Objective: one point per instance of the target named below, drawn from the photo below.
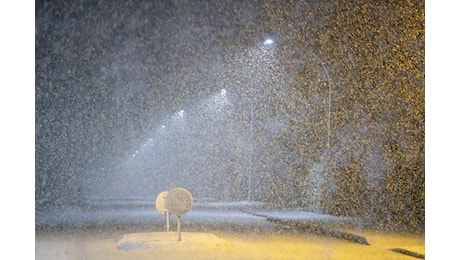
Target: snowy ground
(213, 231)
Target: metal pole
(167, 221)
(329, 101)
(178, 228)
(250, 153)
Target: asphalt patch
(321, 230)
(407, 252)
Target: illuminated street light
(269, 43)
(250, 152)
(251, 119)
(329, 100)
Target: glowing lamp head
(269, 42)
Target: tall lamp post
(250, 152)
(329, 101)
(267, 44)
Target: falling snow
(308, 105)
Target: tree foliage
(374, 56)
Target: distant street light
(268, 43)
(329, 101)
(250, 152)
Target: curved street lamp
(250, 152)
(329, 100)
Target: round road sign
(178, 201)
(160, 203)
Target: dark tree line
(373, 54)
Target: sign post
(160, 205)
(178, 201)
